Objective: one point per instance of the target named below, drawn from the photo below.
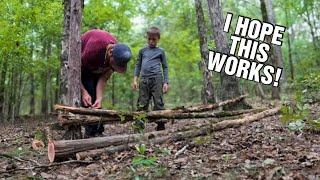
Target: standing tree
(64, 53)
(207, 94)
(229, 84)
(287, 16)
(276, 54)
(71, 69)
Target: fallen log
(186, 115)
(64, 148)
(175, 136)
(110, 150)
(114, 113)
(70, 118)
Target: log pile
(94, 147)
(71, 115)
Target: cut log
(110, 150)
(65, 148)
(70, 118)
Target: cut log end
(51, 151)
(79, 157)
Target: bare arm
(137, 71)
(165, 88)
(100, 88)
(86, 98)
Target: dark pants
(89, 81)
(150, 88)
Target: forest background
(30, 49)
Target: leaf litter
(265, 149)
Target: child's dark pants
(150, 88)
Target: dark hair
(153, 31)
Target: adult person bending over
(100, 57)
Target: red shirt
(93, 50)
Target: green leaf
(143, 161)
(296, 126)
(141, 149)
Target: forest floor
(264, 149)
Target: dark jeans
(150, 88)
(89, 81)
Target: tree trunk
(13, 94)
(44, 99)
(276, 54)
(64, 53)
(58, 149)
(32, 95)
(20, 92)
(49, 76)
(311, 26)
(260, 91)
(207, 94)
(2, 88)
(32, 86)
(73, 94)
(289, 48)
(56, 90)
(229, 84)
(74, 70)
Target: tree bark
(230, 84)
(44, 99)
(32, 87)
(260, 91)
(57, 149)
(311, 26)
(276, 54)
(207, 94)
(73, 119)
(2, 88)
(20, 92)
(199, 108)
(289, 47)
(64, 53)
(74, 69)
(13, 94)
(71, 61)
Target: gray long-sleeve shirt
(149, 63)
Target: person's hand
(135, 85)
(86, 99)
(97, 104)
(165, 88)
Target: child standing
(153, 81)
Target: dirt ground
(264, 149)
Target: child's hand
(165, 88)
(134, 85)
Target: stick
(47, 166)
